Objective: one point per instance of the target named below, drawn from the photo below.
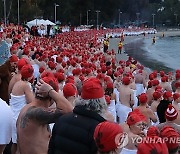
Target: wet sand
(132, 47)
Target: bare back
(148, 113)
(149, 93)
(154, 106)
(15, 78)
(126, 95)
(139, 78)
(23, 88)
(33, 136)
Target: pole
(137, 14)
(18, 13)
(119, 17)
(5, 12)
(80, 18)
(153, 18)
(87, 17)
(176, 18)
(55, 13)
(36, 13)
(97, 18)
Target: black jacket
(161, 109)
(73, 132)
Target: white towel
(135, 98)
(154, 124)
(6, 118)
(16, 104)
(122, 112)
(36, 71)
(128, 151)
(117, 94)
(140, 89)
(112, 109)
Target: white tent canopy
(39, 22)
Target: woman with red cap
(16, 77)
(6, 71)
(20, 97)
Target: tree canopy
(74, 12)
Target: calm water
(163, 55)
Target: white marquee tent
(39, 22)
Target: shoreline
(134, 43)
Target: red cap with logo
(105, 134)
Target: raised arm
(62, 103)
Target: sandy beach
(132, 47)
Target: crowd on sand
(66, 95)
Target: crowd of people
(65, 95)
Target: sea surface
(164, 54)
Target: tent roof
(39, 22)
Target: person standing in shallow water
(154, 40)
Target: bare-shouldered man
(140, 82)
(151, 90)
(126, 100)
(32, 124)
(147, 112)
(157, 97)
(165, 84)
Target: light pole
(137, 14)
(5, 12)
(153, 18)
(97, 11)
(176, 15)
(88, 17)
(80, 18)
(18, 12)
(55, 5)
(119, 17)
